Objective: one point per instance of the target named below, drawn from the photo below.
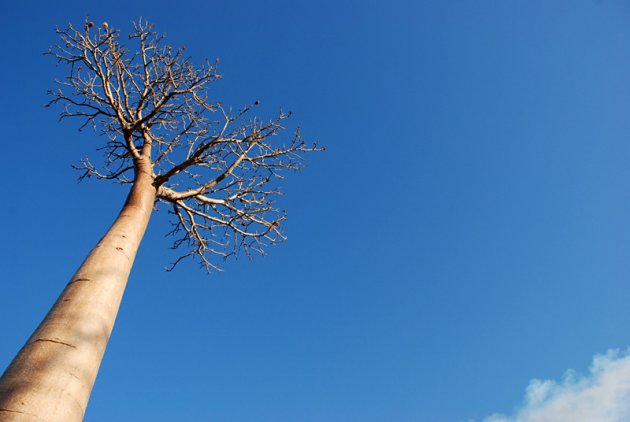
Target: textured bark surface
(52, 376)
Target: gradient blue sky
(467, 230)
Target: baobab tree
(216, 170)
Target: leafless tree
(216, 169)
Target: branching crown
(217, 170)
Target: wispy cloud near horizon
(603, 395)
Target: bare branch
(218, 170)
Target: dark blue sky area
(467, 229)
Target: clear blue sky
(467, 229)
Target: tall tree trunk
(52, 376)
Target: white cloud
(601, 396)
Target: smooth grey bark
(52, 376)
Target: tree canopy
(216, 168)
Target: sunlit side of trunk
(52, 376)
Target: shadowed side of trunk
(52, 376)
